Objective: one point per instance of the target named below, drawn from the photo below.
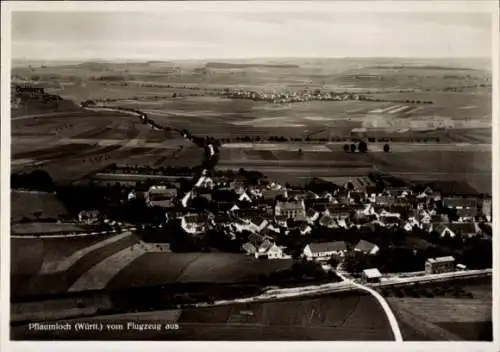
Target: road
(396, 331)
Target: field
(448, 318)
(27, 204)
(188, 95)
(123, 261)
(346, 316)
(194, 267)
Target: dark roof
(328, 246)
(454, 202)
(467, 212)
(385, 200)
(272, 194)
(462, 228)
(365, 246)
(461, 188)
(310, 212)
(290, 205)
(166, 192)
(196, 218)
(326, 220)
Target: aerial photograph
(251, 173)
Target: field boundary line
(97, 277)
(66, 263)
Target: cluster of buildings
(259, 215)
(290, 97)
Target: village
(357, 227)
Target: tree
(353, 148)
(346, 148)
(386, 148)
(333, 261)
(362, 147)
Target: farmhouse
(324, 250)
(466, 215)
(161, 196)
(328, 221)
(466, 229)
(371, 275)
(440, 265)
(459, 203)
(487, 208)
(194, 223)
(269, 250)
(89, 217)
(290, 209)
(400, 192)
(312, 215)
(338, 212)
(357, 196)
(366, 247)
(453, 188)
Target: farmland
(188, 94)
(346, 316)
(137, 268)
(449, 317)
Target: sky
(315, 31)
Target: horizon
(271, 33)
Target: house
(460, 203)
(385, 200)
(256, 222)
(305, 229)
(324, 250)
(366, 247)
(328, 221)
(338, 212)
(272, 194)
(205, 182)
(281, 220)
(467, 214)
(263, 247)
(390, 221)
(356, 196)
(486, 208)
(269, 250)
(398, 192)
(290, 209)
(89, 217)
(423, 217)
(161, 196)
(371, 275)
(312, 215)
(195, 224)
(249, 248)
(465, 229)
(453, 188)
(245, 197)
(383, 213)
(298, 195)
(440, 265)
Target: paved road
(396, 331)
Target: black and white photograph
(251, 171)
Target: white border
(490, 6)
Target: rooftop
(290, 205)
(328, 246)
(441, 259)
(372, 273)
(365, 246)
